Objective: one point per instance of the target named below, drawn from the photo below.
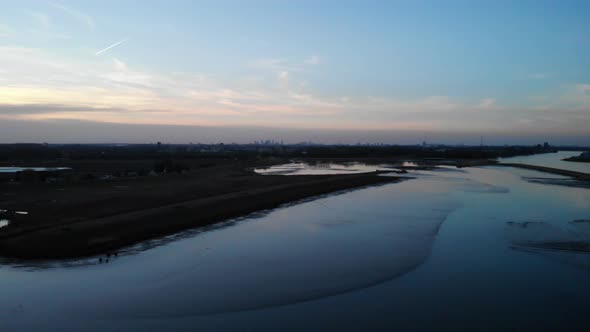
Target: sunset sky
(329, 70)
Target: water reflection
(320, 168)
(391, 255)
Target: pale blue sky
(424, 66)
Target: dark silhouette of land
(551, 170)
(584, 157)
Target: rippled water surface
(436, 252)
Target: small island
(584, 157)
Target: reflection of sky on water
(426, 253)
(329, 168)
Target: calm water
(552, 160)
(431, 253)
(36, 169)
(297, 168)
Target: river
(436, 252)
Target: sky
(331, 71)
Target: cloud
(274, 65)
(576, 97)
(39, 86)
(131, 78)
(41, 18)
(44, 28)
(24, 109)
(5, 30)
(76, 14)
(283, 78)
(487, 103)
(313, 60)
(119, 65)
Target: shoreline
(102, 235)
(577, 160)
(557, 171)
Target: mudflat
(82, 219)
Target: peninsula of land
(65, 221)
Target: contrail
(108, 48)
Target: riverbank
(220, 195)
(551, 170)
(578, 159)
